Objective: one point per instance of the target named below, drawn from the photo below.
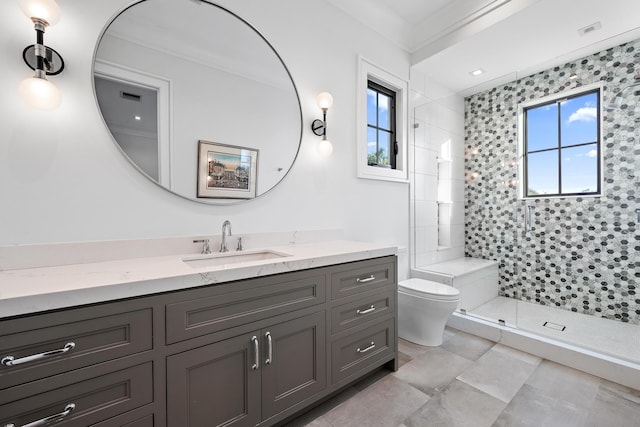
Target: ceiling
(508, 39)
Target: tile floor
(470, 381)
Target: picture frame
(226, 171)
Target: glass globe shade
(324, 100)
(325, 148)
(47, 10)
(40, 93)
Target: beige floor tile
(459, 405)
(403, 358)
(500, 372)
(433, 370)
(319, 422)
(531, 407)
(564, 383)
(384, 404)
(630, 394)
(466, 345)
(517, 354)
(411, 349)
(615, 406)
(314, 417)
(371, 379)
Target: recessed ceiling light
(476, 72)
(137, 118)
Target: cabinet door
(296, 368)
(214, 385)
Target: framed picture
(226, 171)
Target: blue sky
(578, 125)
(378, 105)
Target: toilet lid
(427, 287)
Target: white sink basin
(212, 260)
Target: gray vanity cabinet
(252, 352)
(244, 380)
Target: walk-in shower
(568, 265)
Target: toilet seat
(429, 290)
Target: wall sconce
(319, 127)
(37, 91)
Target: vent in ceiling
(590, 28)
(130, 96)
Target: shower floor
(609, 337)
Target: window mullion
(377, 126)
(559, 147)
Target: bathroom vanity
(249, 343)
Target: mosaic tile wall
(582, 254)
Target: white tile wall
(439, 114)
(426, 213)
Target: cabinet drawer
(96, 399)
(205, 315)
(362, 310)
(362, 349)
(93, 339)
(125, 421)
(363, 276)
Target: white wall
(437, 228)
(63, 179)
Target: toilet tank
(477, 279)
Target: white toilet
(423, 309)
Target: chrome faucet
(225, 226)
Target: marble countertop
(31, 290)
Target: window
(382, 124)
(382, 147)
(561, 145)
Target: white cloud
(584, 114)
(592, 153)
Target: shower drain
(555, 326)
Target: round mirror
(198, 100)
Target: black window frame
(559, 147)
(381, 89)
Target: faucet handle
(239, 247)
(206, 249)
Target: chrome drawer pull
(269, 349)
(12, 361)
(43, 421)
(256, 353)
(364, 350)
(368, 279)
(367, 311)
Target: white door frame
(163, 86)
